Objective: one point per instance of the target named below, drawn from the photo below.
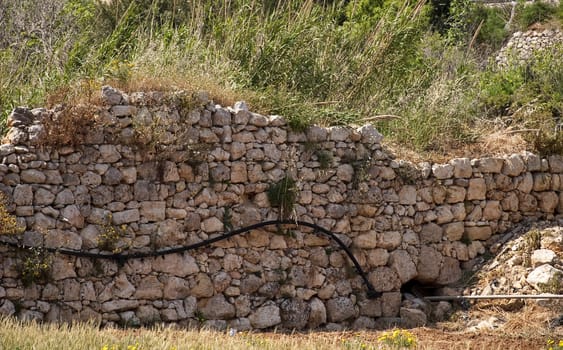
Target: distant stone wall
(522, 45)
(166, 172)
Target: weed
(283, 195)
(361, 168)
(536, 12)
(196, 154)
(555, 345)
(554, 286)
(548, 143)
(35, 266)
(227, 218)
(110, 236)
(119, 347)
(199, 316)
(409, 173)
(532, 240)
(465, 240)
(8, 222)
(325, 159)
(398, 339)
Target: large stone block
(477, 189)
(478, 232)
(429, 262)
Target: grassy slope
(325, 64)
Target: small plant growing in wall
(228, 218)
(8, 222)
(36, 266)
(361, 171)
(110, 236)
(283, 195)
(325, 159)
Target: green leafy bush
(536, 12)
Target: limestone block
(345, 172)
(175, 288)
(203, 287)
(180, 265)
(490, 165)
(431, 233)
(510, 202)
(149, 288)
(555, 163)
(217, 308)
(390, 304)
(384, 279)
(212, 224)
(369, 134)
(543, 275)
(153, 210)
(340, 309)
(258, 120)
(112, 177)
(444, 214)
(119, 305)
(91, 179)
(402, 263)
(412, 318)
(125, 217)
(477, 189)
(389, 240)
(455, 194)
(528, 203)
(23, 195)
(450, 271)
(443, 171)
(428, 266)
(513, 165)
(462, 167)
(542, 182)
(454, 231)
(317, 314)
(492, 210)
(32, 176)
(109, 154)
(407, 195)
(547, 201)
(543, 256)
(366, 240)
(62, 239)
(478, 232)
(377, 257)
(122, 288)
(533, 162)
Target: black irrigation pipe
(122, 258)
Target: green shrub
(536, 12)
(283, 195)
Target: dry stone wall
(522, 45)
(163, 171)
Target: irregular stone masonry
(198, 171)
(522, 45)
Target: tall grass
(312, 61)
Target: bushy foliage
(329, 62)
(8, 222)
(536, 12)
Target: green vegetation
(8, 222)
(35, 266)
(326, 62)
(283, 195)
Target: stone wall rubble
(522, 45)
(165, 173)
